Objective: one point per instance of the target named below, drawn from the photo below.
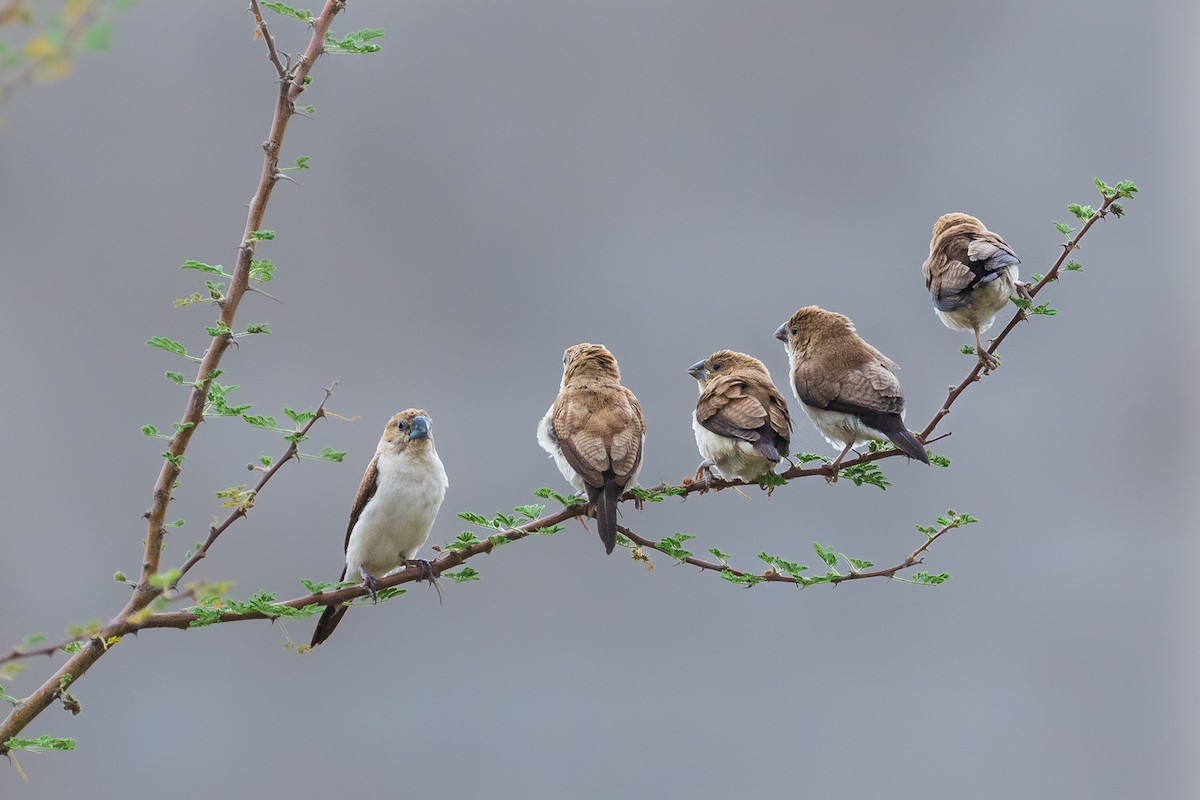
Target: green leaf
(259, 422)
(463, 575)
(1045, 310)
(358, 42)
(930, 580)
(1126, 189)
(550, 494)
(262, 236)
(968, 349)
(742, 580)
(334, 456)
(215, 269)
(721, 556)
(170, 345)
(859, 564)
(40, 744)
(299, 417)
(549, 530)
(465, 540)
(1073, 266)
(1036, 277)
(475, 519)
(804, 458)
(257, 328)
(867, 473)
(175, 377)
(530, 512)
(1064, 229)
(770, 480)
(673, 546)
(1082, 213)
(301, 162)
(220, 329)
(262, 270)
(315, 587)
(827, 554)
(149, 430)
(283, 9)
(939, 461)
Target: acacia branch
(146, 591)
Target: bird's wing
(628, 434)
(869, 388)
(964, 263)
(366, 490)
(727, 408)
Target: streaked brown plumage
(741, 420)
(846, 386)
(397, 502)
(595, 432)
(971, 273)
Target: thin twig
(292, 452)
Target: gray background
(506, 179)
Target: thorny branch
(147, 589)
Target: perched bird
(846, 386)
(595, 432)
(971, 273)
(397, 502)
(741, 420)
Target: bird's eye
(795, 331)
(401, 425)
(716, 365)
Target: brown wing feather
(727, 408)
(366, 490)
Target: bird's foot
(372, 584)
(705, 473)
(832, 476)
(988, 361)
(427, 574)
(1023, 290)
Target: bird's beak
(781, 333)
(420, 427)
(698, 371)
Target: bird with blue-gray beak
(971, 274)
(742, 425)
(397, 502)
(595, 432)
(848, 388)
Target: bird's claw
(372, 584)
(427, 574)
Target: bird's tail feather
(907, 442)
(329, 620)
(604, 501)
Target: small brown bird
(971, 273)
(595, 432)
(741, 420)
(397, 502)
(845, 385)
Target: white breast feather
(734, 457)
(397, 519)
